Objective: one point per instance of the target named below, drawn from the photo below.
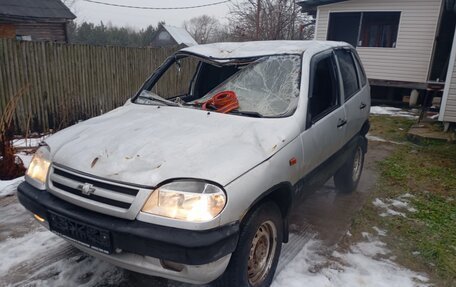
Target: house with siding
(405, 45)
(34, 20)
(168, 36)
(448, 108)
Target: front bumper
(138, 240)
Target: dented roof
(229, 50)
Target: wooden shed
(34, 20)
(404, 44)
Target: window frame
(310, 121)
(360, 26)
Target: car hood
(149, 144)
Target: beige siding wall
(411, 58)
(449, 113)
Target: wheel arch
(282, 195)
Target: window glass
(379, 29)
(344, 26)
(323, 97)
(269, 86)
(361, 73)
(348, 72)
(176, 79)
(365, 29)
(264, 87)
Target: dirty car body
(165, 187)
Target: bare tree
(269, 20)
(204, 29)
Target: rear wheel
(347, 177)
(255, 260)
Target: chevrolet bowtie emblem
(86, 188)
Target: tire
(263, 228)
(346, 179)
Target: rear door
(325, 126)
(355, 91)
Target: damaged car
(193, 179)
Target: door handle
(341, 123)
(362, 106)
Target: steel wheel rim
(262, 252)
(357, 162)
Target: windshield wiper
(159, 99)
(248, 114)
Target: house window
(365, 29)
(379, 29)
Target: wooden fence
(67, 83)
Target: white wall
(448, 107)
(411, 58)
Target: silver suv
(194, 178)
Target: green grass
(425, 240)
(390, 128)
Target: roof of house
(230, 50)
(180, 35)
(311, 5)
(34, 9)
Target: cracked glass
(269, 86)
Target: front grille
(108, 186)
(105, 194)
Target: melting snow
(8, 187)
(362, 265)
(397, 112)
(391, 206)
(28, 142)
(379, 139)
(19, 250)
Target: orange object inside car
(223, 102)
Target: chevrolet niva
(193, 179)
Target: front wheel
(347, 177)
(254, 262)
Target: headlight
(38, 168)
(194, 201)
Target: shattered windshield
(269, 86)
(263, 87)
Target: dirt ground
(325, 215)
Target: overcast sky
(138, 18)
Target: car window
(324, 87)
(348, 72)
(269, 86)
(362, 75)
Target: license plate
(87, 235)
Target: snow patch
(8, 187)
(395, 207)
(81, 270)
(379, 139)
(16, 251)
(379, 231)
(28, 142)
(355, 268)
(395, 112)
